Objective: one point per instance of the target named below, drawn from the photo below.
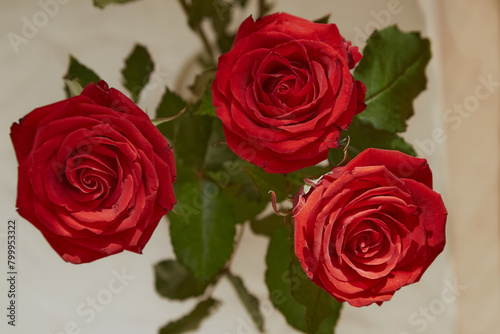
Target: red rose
(95, 175)
(285, 91)
(365, 230)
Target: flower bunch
(290, 108)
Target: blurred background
(455, 127)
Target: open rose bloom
(95, 175)
(285, 91)
(366, 229)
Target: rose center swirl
(92, 175)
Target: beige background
(456, 127)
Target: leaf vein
(420, 56)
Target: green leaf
(73, 87)
(266, 182)
(78, 74)
(138, 68)
(219, 12)
(323, 19)
(393, 70)
(320, 306)
(199, 142)
(202, 227)
(363, 135)
(221, 17)
(245, 207)
(241, 3)
(328, 325)
(205, 106)
(279, 282)
(199, 9)
(193, 320)
(268, 225)
(305, 306)
(236, 186)
(217, 153)
(175, 282)
(191, 138)
(103, 3)
(240, 180)
(250, 302)
(202, 82)
(170, 105)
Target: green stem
(237, 241)
(250, 302)
(206, 43)
(184, 6)
(157, 121)
(288, 220)
(199, 31)
(262, 5)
